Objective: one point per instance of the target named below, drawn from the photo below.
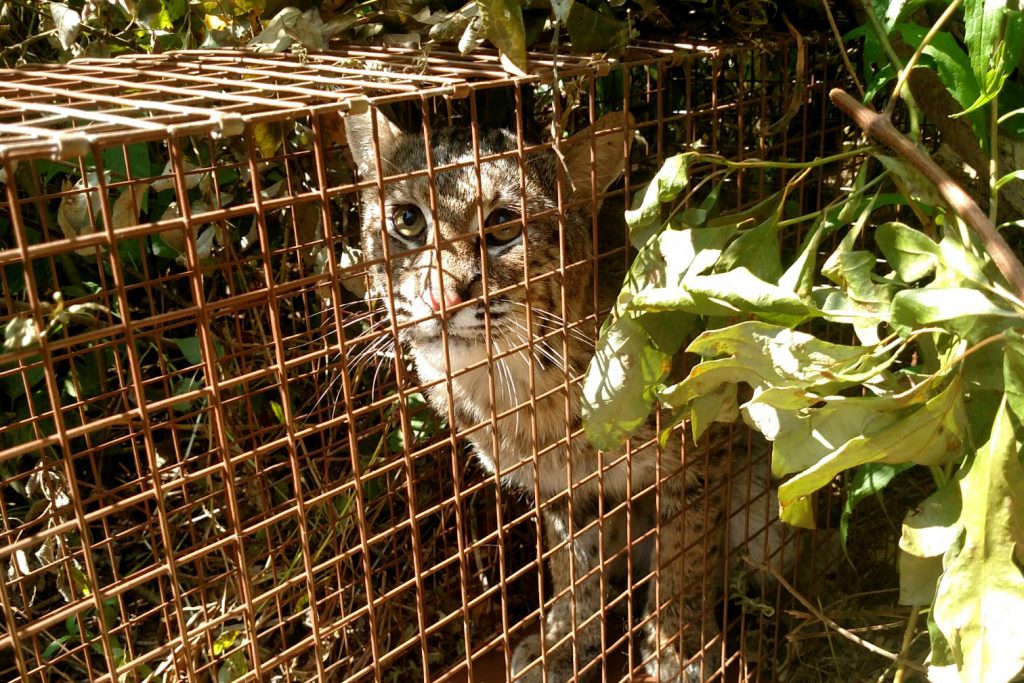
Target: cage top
(60, 111)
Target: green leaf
(190, 349)
(225, 640)
(268, 138)
(799, 277)
(591, 31)
(908, 251)
(837, 306)
(153, 15)
(789, 370)
(1013, 175)
(963, 311)
(664, 262)
(954, 69)
(890, 12)
(985, 23)
(980, 597)
(802, 440)
(503, 25)
(84, 383)
(799, 513)
(278, 411)
(868, 480)
(756, 250)
(671, 179)
(742, 291)
(718, 405)
(1013, 372)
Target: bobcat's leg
(572, 560)
(683, 594)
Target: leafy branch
(934, 379)
(880, 127)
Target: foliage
(46, 31)
(931, 368)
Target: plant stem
(908, 638)
(880, 127)
(993, 162)
(877, 180)
(842, 48)
(883, 39)
(796, 165)
(905, 72)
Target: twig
(883, 38)
(905, 74)
(796, 99)
(908, 638)
(23, 45)
(867, 645)
(880, 127)
(842, 47)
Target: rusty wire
(217, 466)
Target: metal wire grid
(200, 479)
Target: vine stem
(908, 638)
(842, 47)
(795, 165)
(880, 127)
(905, 73)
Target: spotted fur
(584, 517)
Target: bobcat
(436, 294)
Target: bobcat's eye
(507, 232)
(408, 221)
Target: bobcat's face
(429, 260)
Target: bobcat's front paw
(527, 665)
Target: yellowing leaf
(225, 640)
(503, 24)
(125, 211)
(268, 138)
(75, 213)
(980, 598)
(931, 434)
(68, 23)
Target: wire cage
(217, 461)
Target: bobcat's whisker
(546, 351)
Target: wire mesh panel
(292, 364)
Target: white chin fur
(430, 356)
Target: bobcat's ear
(607, 136)
(360, 134)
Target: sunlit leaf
(671, 179)
(980, 597)
(20, 332)
(928, 533)
(625, 371)
(929, 434)
(68, 23)
(966, 312)
(744, 292)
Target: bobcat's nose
(450, 299)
